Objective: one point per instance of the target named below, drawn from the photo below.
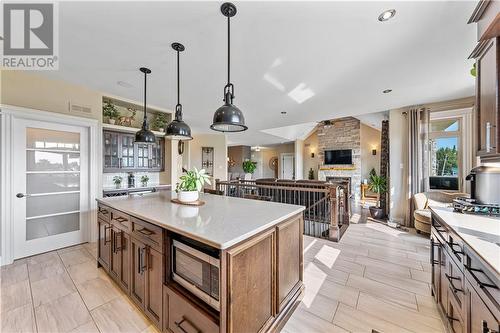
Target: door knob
(22, 195)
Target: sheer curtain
(418, 155)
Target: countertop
(480, 233)
(221, 222)
(140, 187)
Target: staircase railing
(327, 210)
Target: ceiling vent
(79, 108)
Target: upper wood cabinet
(487, 55)
(121, 154)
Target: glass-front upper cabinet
(121, 154)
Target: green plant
(372, 173)
(160, 121)
(144, 179)
(249, 166)
(311, 174)
(473, 70)
(117, 180)
(378, 184)
(193, 180)
(110, 110)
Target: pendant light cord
(178, 80)
(228, 51)
(145, 121)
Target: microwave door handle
(179, 325)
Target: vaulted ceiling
(312, 60)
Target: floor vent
(79, 108)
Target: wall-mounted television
(339, 156)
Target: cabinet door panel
(487, 100)
(104, 244)
(289, 252)
(115, 267)
(250, 267)
(126, 261)
(111, 151)
(138, 272)
(436, 266)
(443, 281)
(481, 318)
(153, 304)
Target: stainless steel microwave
(196, 271)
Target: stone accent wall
(342, 133)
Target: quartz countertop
(221, 222)
(480, 233)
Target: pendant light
(178, 129)
(228, 118)
(144, 135)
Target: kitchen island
(230, 265)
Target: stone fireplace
(342, 133)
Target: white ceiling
(335, 54)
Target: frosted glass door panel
(52, 182)
(39, 160)
(52, 204)
(50, 139)
(54, 225)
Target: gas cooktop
(470, 206)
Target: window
(445, 154)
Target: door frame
(7, 114)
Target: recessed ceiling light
(283, 112)
(387, 91)
(124, 84)
(387, 15)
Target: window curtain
(418, 156)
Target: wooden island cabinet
(465, 277)
(260, 276)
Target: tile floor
(375, 278)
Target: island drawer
(182, 317)
(121, 220)
(104, 213)
(456, 284)
(148, 233)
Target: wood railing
(327, 205)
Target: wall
(398, 157)
(342, 133)
(218, 142)
(311, 144)
(370, 139)
(30, 90)
(265, 154)
(238, 154)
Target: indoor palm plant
(378, 184)
(191, 184)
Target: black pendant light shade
(228, 118)
(144, 135)
(178, 129)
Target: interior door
(50, 177)
(287, 166)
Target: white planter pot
(112, 121)
(188, 196)
(248, 176)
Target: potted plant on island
(110, 111)
(159, 122)
(188, 190)
(249, 168)
(144, 180)
(117, 180)
(378, 184)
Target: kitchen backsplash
(107, 178)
